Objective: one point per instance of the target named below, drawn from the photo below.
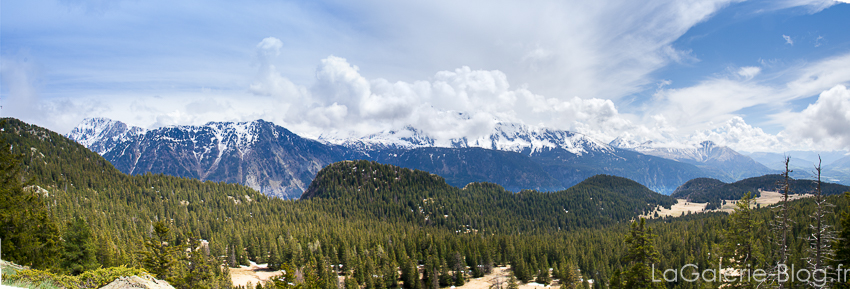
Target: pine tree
(641, 255)
(409, 274)
(30, 237)
(568, 275)
(286, 280)
(616, 280)
(513, 282)
(197, 271)
(842, 247)
(79, 253)
(543, 277)
(743, 244)
(160, 257)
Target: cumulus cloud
(788, 39)
(463, 102)
(739, 135)
(827, 121)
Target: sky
(767, 76)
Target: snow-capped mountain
(561, 157)
(258, 154)
(102, 134)
(511, 137)
(275, 161)
(725, 162)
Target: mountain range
(835, 164)
(723, 162)
(277, 162)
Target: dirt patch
(683, 207)
(254, 274)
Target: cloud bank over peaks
(452, 104)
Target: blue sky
(753, 75)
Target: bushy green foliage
(88, 279)
(79, 253)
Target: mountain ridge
(273, 160)
(723, 162)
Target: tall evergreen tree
(743, 245)
(641, 255)
(568, 274)
(842, 248)
(409, 274)
(160, 257)
(79, 253)
(30, 237)
(197, 271)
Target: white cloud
(748, 72)
(788, 39)
(813, 6)
(827, 121)
(739, 135)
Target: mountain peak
(505, 136)
(100, 134)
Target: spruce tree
(160, 257)
(30, 237)
(842, 247)
(79, 253)
(198, 270)
(743, 239)
(641, 255)
(568, 275)
(513, 282)
(409, 274)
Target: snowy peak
(511, 137)
(257, 154)
(703, 152)
(405, 138)
(524, 139)
(622, 143)
(101, 134)
(724, 161)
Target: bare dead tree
(820, 252)
(781, 227)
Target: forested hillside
(372, 219)
(703, 190)
(425, 199)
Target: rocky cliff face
(258, 154)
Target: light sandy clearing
(682, 206)
(500, 275)
(253, 273)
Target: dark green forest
(360, 219)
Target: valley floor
(683, 207)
